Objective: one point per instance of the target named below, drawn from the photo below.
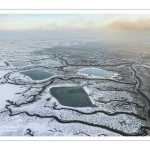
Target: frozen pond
(37, 74)
(36, 57)
(97, 72)
(71, 96)
(51, 62)
(20, 63)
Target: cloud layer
(129, 25)
(84, 26)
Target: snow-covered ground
(8, 92)
(27, 107)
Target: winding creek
(147, 102)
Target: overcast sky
(74, 26)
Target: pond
(96, 72)
(36, 57)
(36, 74)
(71, 96)
(51, 62)
(20, 63)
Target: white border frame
(74, 11)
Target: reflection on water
(37, 74)
(97, 72)
(71, 96)
(20, 63)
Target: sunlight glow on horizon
(25, 22)
(75, 24)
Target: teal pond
(71, 96)
(20, 63)
(96, 72)
(51, 62)
(36, 74)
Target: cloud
(128, 25)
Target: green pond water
(20, 63)
(71, 96)
(97, 72)
(37, 74)
(51, 62)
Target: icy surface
(51, 63)
(20, 63)
(95, 72)
(8, 92)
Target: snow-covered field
(27, 107)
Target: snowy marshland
(27, 107)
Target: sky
(63, 26)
